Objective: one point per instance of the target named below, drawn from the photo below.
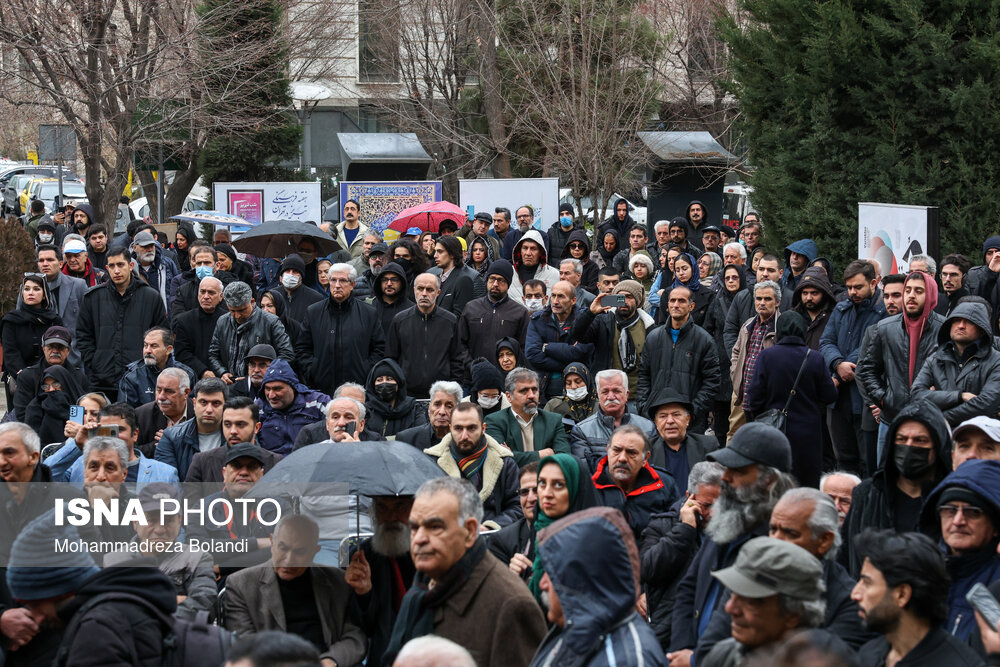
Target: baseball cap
(262, 351)
(990, 427)
(767, 566)
(74, 246)
(151, 495)
(379, 249)
(245, 449)
(143, 238)
(57, 336)
(755, 443)
(413, 231)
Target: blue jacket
(560, 348)
(178, 445)
(966, 570)
(805, 247)
(602, 627)
(138, 384)
(67, 466)
(278, 428)
(841, 340)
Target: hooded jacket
(88, 210)
(387, 311)
(231, 342)
(982, 566)
(279, 428)
(885, 371)
(816, 278)
(979, 274)
(383, 418)
(875, 498)
(111, 328)
(588, 280)
(573, 412)
(976, 371)
(621, 229)
(339, 343)
(601, 626)
(805, 247)
(501, 480)
(559, 239)
(694, 232)
(547, 274)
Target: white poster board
(485, 194)
(891, 233)
(261, 202)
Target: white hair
(705, 473)
(211, 279)
(738, 247)
(824, 518)
(577, 265)
(609, 373)
(32, 443)
(855, 480)
(433, 650)
(660, 224)
(768, 284)
(340, 267)
(453, 389)
(349, 385)
(358, 404)
(469, 504)
(104, 444)
(183, 381)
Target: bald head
(563, 299)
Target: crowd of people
(663, 444)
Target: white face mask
(487, 402)
(290, 280)
(533, 305)
(577, 394)
(45, 238)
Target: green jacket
(549, 433)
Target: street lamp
(308, 94)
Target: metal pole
(59, 167)
(159, 190)
(307, 138)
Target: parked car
(140, 206)
(48, 191)
(637, 212)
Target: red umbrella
(427, 216)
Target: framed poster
(892, 233)
(247, 204)
(381, 201)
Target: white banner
(892, 233)
(485, 194)
(261, 202)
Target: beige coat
(740, 353)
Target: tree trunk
(489, 84)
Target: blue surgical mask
(203, 272)
(565, 220)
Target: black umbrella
(278, 238)
(366, 468)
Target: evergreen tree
(886, 100)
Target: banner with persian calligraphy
(381, 201)
(261, 202)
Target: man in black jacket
(444, 396)
(902, 593)
(423, 340)
(341, 337)
(675, 448)
(814, 301)
(681, 355)
(954, 269)
(186, 286)
(193, 329)
(113, 319)
(493, 317)
(459, 283)
(296, 294)
(389, 294)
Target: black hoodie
(387, 311)
(383, 418)
(816, 277)
(588, 280)
(695, 232)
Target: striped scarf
(470, 464)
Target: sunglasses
(576, 246)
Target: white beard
(391, 539)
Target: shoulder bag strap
(795, 384)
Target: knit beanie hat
(37, 571)
(228, 251)
(486, 376)
(293, 262)
(631, 287)
(502, 268)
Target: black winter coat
(382, 418)
(193, 335)
(299, 302)
(690, 366)
(111, 327)
(936, 648)
(483, 323)
(377, 613)
(422, 437)
(426, 348)
(462, 286)
(559, 239)
(515, 538)
(184, 287)
(654, 493)
(340, 342)
(21, 333)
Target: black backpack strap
(795, 384)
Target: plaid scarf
(755, 344)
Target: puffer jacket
(388, 420)
(966, 569)
(874, 498)
(111, 327)
(279, 428)
(690, 366)
(654, 493)
(387, 311)
(339, 343)
(841, 339)
(121, 628)
(977, 371)
(884, 371)
(602, 627)
(501, 480)
(588, 440)
(138, 384)
(231, 342)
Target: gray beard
(737, 511)
(391, 539)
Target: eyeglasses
(523, 492)
(970, 512)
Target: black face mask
(385, 391)
(404, 264)
(912, 462)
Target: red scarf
(915, 326)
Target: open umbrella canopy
(278, 238)
(428, 216)
(366, 468)
(212, 218)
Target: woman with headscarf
(578, 400)
(607, 248)
(509, 355)
(686, 275)
(182, 245)
(709, 265)
(640, 265)
(48, 412)
(480, 256)
(578, 247)
(228, 261)
(272, 302)
(21, 329)
(734, 280)
(753, 258)
(774, 376)
(487, 387)
(323, 276)
(564, 487)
